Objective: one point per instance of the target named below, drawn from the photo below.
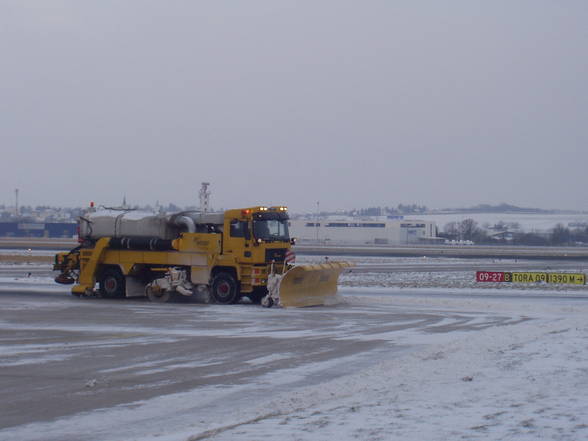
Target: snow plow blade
(310, 285)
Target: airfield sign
(531, 277)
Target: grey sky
(353, 104)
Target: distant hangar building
(364, 232)
(38, 229)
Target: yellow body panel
(89, 262)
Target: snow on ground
(400, 260)
(449, 280)
(527, 380)
(27, 252)
(26, 283)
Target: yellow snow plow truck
(232, 254)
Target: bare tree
(560, 235)
(468, 229)
(451, 229)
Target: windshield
(271, 230)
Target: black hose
(140, 243)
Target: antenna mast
(204, 197)
(16, 202)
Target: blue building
(38, 229)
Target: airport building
(38, 229)
(364, 232)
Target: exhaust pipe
(186, 222)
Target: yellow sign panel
(529, 277)
(570, 278)
(566, 278)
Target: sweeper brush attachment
(304, 285)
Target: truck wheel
(112, 283)
(158, 295)
(224, 289)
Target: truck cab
(254, 240)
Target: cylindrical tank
(133, 223)
(118, 223)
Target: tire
(257, 294)
(158, 296)
(267, 303)
(224, 289)
(112, 284)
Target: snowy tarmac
(394, 358)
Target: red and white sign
(490, 276)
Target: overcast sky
(350, 103)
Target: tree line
(400, 209)
(468, 229)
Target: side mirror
(292, 241)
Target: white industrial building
(362, 232)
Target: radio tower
(204, 197)
(16, 202)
